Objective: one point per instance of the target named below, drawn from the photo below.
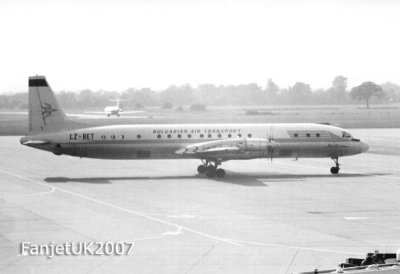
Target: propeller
(270, 138)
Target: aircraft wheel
(201, 169)
(220, 173)
(334, 170)
(210, 171)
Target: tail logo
(47, 110)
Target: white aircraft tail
(45, 114)
(118, 102)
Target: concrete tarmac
(280, 217)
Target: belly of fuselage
(121, 151)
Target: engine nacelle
(231, 145)
(259, 144)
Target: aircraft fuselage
(165, 141)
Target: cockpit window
(346, 135)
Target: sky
(120, 44)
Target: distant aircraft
(51, 130)
(114, 110)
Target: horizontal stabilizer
(34, 142)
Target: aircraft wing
(131, 112)
(218, 151)
(226, 147)
(99, 114)
(95, 112)
(107, 112)
(81, 115)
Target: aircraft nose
(364, 147)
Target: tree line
(223, 95)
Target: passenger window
(179, 136)
(296, 135)
(229, 135)
(249, 135)
(139, 136)
(158, 136)
(318, 135)
(240, 135)
(219, 135)
(308, 135)
(169, 135)
(201, 136)
(189, 135)
(209, 135)
(143, 154)
(113, 137)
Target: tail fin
(45, 114)
(118, 102)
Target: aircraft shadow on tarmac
(261, 179)
(238, 180)
(250, 179)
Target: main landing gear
(335, 169)
(211, 170)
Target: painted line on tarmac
(346, 170)
(355, 218)
(39, 193)
(52, 188)
(367, 166)
(162, 235)
(179, 227)
(182, 216)
(301, 248)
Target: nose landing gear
(211, 170)
(335, 169)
